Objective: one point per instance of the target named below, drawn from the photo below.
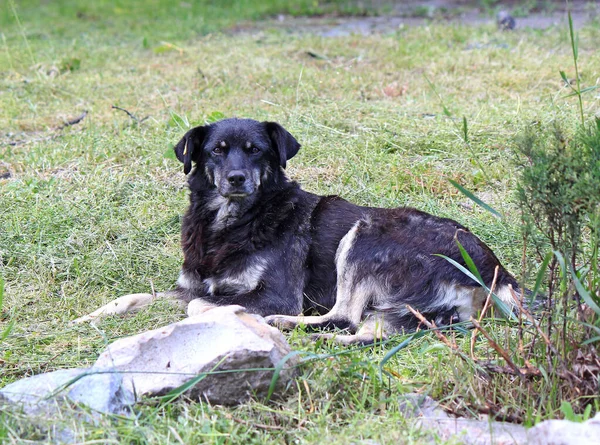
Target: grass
(92, 211)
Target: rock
(505, 21)
(223, 338)
(564, 432)
(45, 393)
(432, 418)
(51, 403)
(419, 405)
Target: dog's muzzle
(237, 184)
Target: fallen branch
(484, 310)
(497, 369)
(73, 121)
(431, 325)
(131, 115)
(56, 131)
(533, 322)
(497, 348)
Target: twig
(528, 371)
(497, 348)
(73, 121)
(431, 325)
(56, 131)
(533, 321)
(484, 310)
(131, 115)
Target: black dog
(252, 237)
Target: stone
(505, 21)
(431, 418)
(220, 339)
(55, 403)
(565, 432)
(45, 393)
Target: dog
(254, 238)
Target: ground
(91, 210)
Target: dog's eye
(254, 150)
(218, 150)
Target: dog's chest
(239, 279)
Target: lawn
(91, 211)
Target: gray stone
(221, 339)
(564, 432)
(45, 393)
(431, 418)
(477, 432)
(421, 406)
(505, 21)
(51, 403)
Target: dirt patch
(418, 13)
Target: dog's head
(236, 155)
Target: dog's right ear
(188, 148)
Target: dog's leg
(198, 306)
(127, 303)
(351, 298)
(372, 330)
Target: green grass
(93, 211)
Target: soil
(418, 13)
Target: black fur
(254, 238)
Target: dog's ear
(188, 148)
(286, 145)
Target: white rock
(223, 338)
(45, 393)
(47, 399)
(431, 418)
(564, 432)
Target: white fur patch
(246, 281)
(223, 207)
(185, 281)
(466, 300)
(346, 243)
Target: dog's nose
(236, 178)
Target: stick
(497, 348)
(73, 121)
(131, 115)
(533, 322)
(484, 310)
(68, 123)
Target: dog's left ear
(286, 145)
(188, 147)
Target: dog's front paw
(284, 322)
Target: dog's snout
(236, 178)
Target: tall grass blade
(540, 277)
(177, 392)
(392, 352)
(277, 371)
(475, 199)
(585, 293)
(585, 90)
(575, 48)
(468, 261)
